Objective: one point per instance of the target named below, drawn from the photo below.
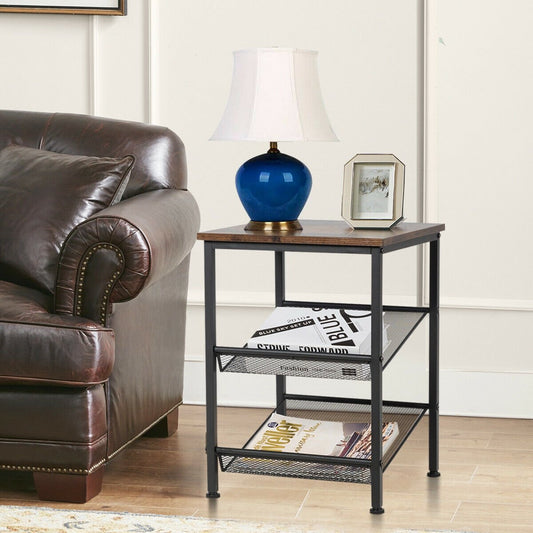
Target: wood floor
(486, 484)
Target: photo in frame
(373, 191)
(70, 7)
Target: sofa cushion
(37, 347)
(43, 197)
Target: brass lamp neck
(273, 148)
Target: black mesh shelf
(400, 325)
(297, 469)
(324, 467)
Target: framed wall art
(373, 191)
(71, 7)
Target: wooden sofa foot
(165, 427)
(68, 487)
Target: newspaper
(281, 433)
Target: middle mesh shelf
(318, 343)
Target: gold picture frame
(373, 191)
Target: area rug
(20, 519)
(15, 519)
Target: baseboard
(495, 394)
(264, 299)
(462, 393)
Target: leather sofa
(96, 229)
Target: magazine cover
(334, 331)
(282, 433)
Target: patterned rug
(46, 520)
(20, 519)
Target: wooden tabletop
(327, 232)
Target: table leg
(434, 260)
(376, 368)
(210, 371)
(281, 381)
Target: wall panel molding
(421, 140)
(430, 193)
(260, 300)
(476, 398)
(486, 304)
(152, 58)
(93, 65)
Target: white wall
(480, 81)
(170, 62)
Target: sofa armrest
(113, 255)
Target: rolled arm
(113, 255)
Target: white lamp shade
(275, 96)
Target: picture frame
(69, 7)
(373, 191)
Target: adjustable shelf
(324, 467)
(400, 325)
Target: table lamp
(275, 96)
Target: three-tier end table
(327, 237)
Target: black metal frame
(375, 360)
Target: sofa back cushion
(159, 153)
(43, 197)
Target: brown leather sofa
(96, 228)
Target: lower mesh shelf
(282, 468)
(406, 415)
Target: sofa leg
(68, 487)
(165, 427)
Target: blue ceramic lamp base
(273, 189)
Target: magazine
(281, 433)
(313, 330)
(303, 329)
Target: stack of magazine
(316, 330)
(281, 433)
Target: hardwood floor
(486, 484)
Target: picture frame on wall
(70, 7)
(373, 191)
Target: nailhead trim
(56, 470)
(109, 286)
